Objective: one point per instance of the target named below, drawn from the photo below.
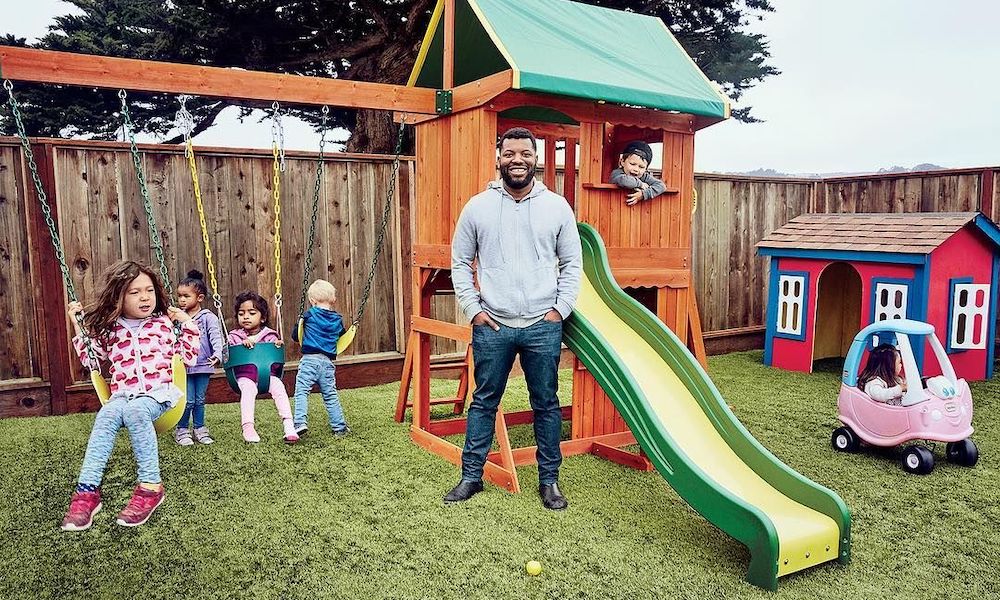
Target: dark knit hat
(640, 149)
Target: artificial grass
(362, 517)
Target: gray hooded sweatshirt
(529, 256)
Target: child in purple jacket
(191, 293)
(253, 315)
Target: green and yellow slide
(788, 522)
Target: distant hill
(894, 169)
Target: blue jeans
(318, 369)
(135, 413)
(197, 386)
(493, 353)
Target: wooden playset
(649, 244)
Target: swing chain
(154, 235)
(315, 210)
(385, 220)
(278, 133)
(186, 122)
(43, 202)
(278, 167)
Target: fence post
(986, 192)
(50, 305)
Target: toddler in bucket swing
(253, 317)
(130, 327)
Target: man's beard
(517, 184)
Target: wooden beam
(581, 110)
(696, 340)
(526, 455)
(479, 92)
(658, 278)
(492, 472)
(540, 128)
(653, 259)
(448, 69)
(622, 457)
(451, 331)
(32, 399)
(435, 256)
(47, 66)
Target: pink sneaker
(250, 434)
(140, 507)
(82, 508)
(290, 435)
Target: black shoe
(463, 491)
(552, 498)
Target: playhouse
(833, 274)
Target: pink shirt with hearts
(140, 360)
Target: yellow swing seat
(342, 344)
(167, 420)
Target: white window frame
(790, 318)
(968, 314)
(887, 312)
(884, 312)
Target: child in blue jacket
(322, 328)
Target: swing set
(51, 67)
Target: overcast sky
(865, 84)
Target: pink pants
(248, 398)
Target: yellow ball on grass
(533, 567)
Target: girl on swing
(130, 326)
(253, 317)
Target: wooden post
(696, 341)
(549, 176)
(986, 193)
(50, 311)
(569, 172)
(448, 73)
(506, 453)
(405, 220)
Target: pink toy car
(939, 412)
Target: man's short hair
(322, 291)
(518, 133)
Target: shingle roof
(908, 233)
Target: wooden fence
(93, 190)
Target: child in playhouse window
(631, 173)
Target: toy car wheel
(844, 440)
(963, 453)
(918, 460)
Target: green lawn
(362, 517)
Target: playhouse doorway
(838, 311)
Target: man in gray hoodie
(525, 241)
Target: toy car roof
(907, 326)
